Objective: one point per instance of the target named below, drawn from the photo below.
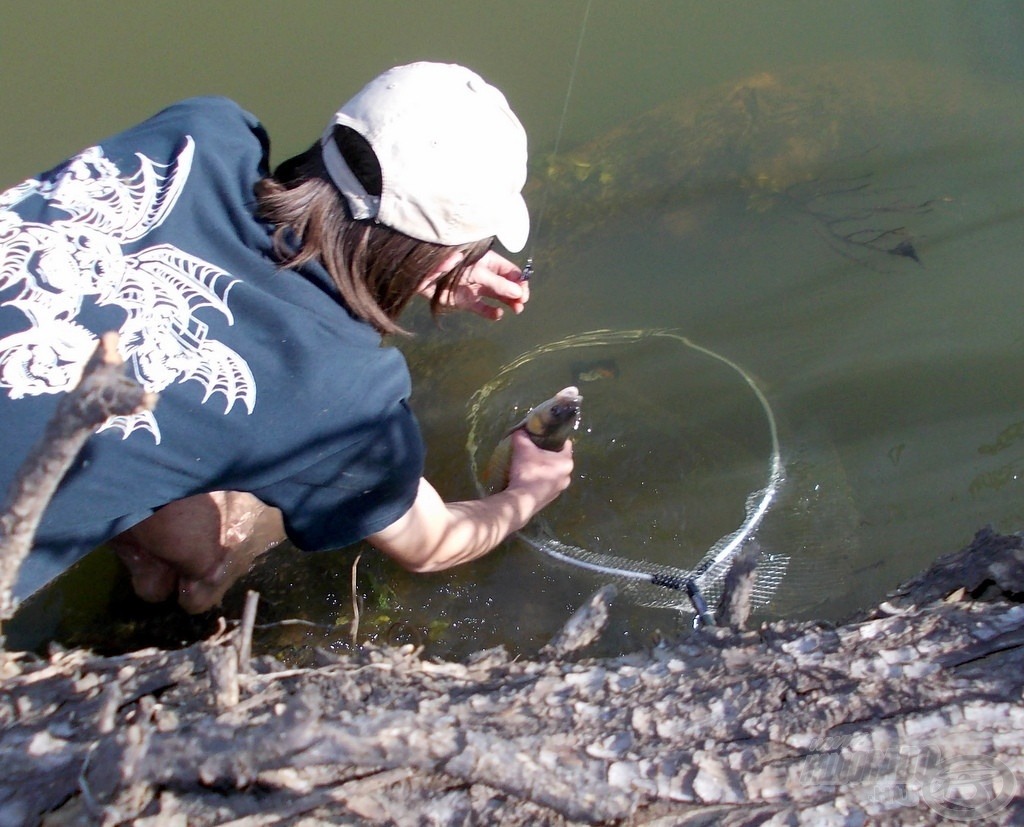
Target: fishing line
(528, 267)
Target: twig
(252, 600)
(293, 621)
(103, 391)
(355, 601)
(222, 668)
(91, 804)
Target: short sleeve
(356, 491)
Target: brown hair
(376, 269)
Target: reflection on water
(828, 194)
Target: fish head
(550, 423)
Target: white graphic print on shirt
(55, 266)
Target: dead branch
(583, 628)
(252, 600)
(103, 391)
(354, 629)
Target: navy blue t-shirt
(267, 383)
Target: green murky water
(829, 195)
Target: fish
(548, 425)
(595, 371)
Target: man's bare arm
(435, 535)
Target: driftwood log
(910, 713)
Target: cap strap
(360, 202)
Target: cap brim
(515, 229)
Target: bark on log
(908, 713)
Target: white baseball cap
(452, 156)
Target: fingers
(502, 280)
(545, 473)
(489, 287)
(523, 446)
